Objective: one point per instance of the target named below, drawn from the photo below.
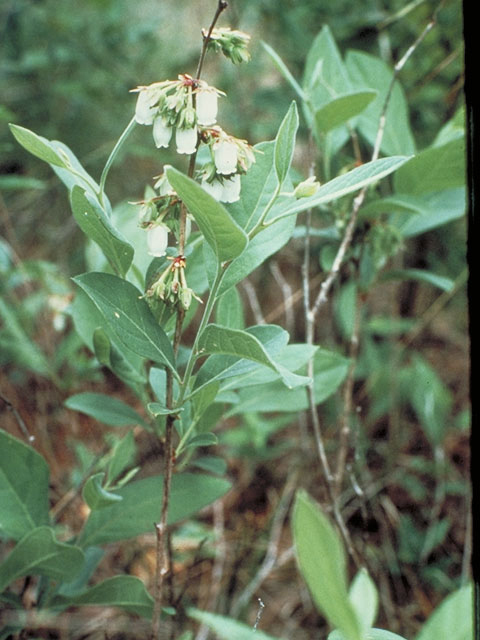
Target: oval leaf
(126, 592)
(221, 231)
(95, 224)
(23, 488)
(322, 562)
(141, 505)
(285, 143)
(227, 628)
(104, 408)
(39, 553)
(340, 186)
(95, 495)
(37, 146)
(234, 342)
(341, 109)
(128, 315)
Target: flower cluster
(232, 43)
(171, 285)
(181, 104)
(230, 157)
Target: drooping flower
(223, 189)
(226, 156)
(206, 106)
(186, 140)
(147, 103)
(213, 187)
(162, 132)
(231, 189)
(157, 239)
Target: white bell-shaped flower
(226, 157)
(231, 189)
(206, 106)
(146, 108)
(157, 240)
(214, 188)
(186, 140)
(162, 132)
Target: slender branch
(347, 404)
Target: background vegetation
(65, 72)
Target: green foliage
(322, 561)
(224, 372)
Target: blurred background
(66, 70)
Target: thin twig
(347, 403)
(21, 424)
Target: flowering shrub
(214, 225)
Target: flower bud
(162, 132)
(186, 140)
(226, 157)
(307, 188)
(157, 240)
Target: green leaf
(372, 634)
(158, 409)
(122, 456)
(39, 553)
(421, 275)
(330, 370)
(363, 595)
(322, 562)
(141, 505)
(435, 209)
(222, 340)
(37, 146)
(213, 464)
(219, 367)
(293, 357)
(104, 408)
(341, 109)
(264, 244)
(282, 67)
(95, 495)
(229, 310)
(17, 346)
(95, 223)
(125, 592)
(430, 397)
(220, 230)
(325, 75)
(227, 628)
(23, 488)
(285, 143)
(452, 619)
(434, 169)
(202, 440)
(369, 72)
(340, 186)
(126, 365)
(128, 315)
